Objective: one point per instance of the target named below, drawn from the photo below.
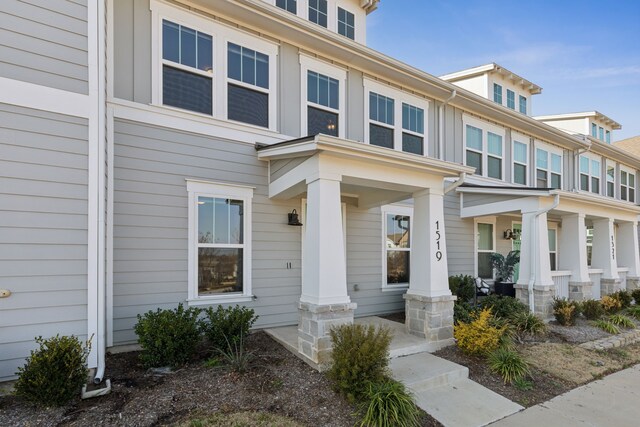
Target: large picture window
(397, 244)
(219, 241)
(485, 247)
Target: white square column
(573, 256)
(429, 303)
(629, 253)
(603, 254)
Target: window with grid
(486, 241)
(288, 5)
(381, 116)
(323, 104)
(412, 129)
(248, 87)
(589, 175)
(187, 68)
(346, 23)
(520, 156)
(398, 248)
(611, 181)
(548, 169)
(523, 104)
(318, 12)
(497, 93)
(511, 99)
(494, 155)
(627, 186)
(474, 148)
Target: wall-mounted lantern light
(510, 234)
(293, 218)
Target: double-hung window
(594, 130)
(381, 116)
(520, 162)
(323, 108)
(248, 86)
(627, 186)
(497, 93)
(548, 168)
(397, 244)
(523, 104)
(590, 174)
(484, 147)
(318, 12)
(474, 148)
(494, 155)
(608, 137)
(485, 239)
(412, 129)
(611, 180)
(219, 241)
(346, 23)
(511, 99)
(553, 248)
(187, 68)
(288, 5)
(601, 133)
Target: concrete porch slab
(423, 371)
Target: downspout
(532, 240)
(456, 184)
(441, 124)
(576, 163)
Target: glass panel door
(516, 245)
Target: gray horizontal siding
(459, 236)
(43, 230)
(45, 42)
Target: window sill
(195, 302)
(398, 288)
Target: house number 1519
(438, 237)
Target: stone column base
(430, 318)
(633, 283)
(609, 286)
(542, 298)
(314, 324)
(580, 291)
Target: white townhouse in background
(256, 152)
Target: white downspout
(456, 184)
(532, 240)
(576, 164)
(441, 124)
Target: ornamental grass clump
(388, 404)
(528, 323)
(610, 304)
(478, 337)
(509, 364)
(606, 326)
(55, 372)
(622, 320)
(633, 311)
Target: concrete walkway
(613, 401)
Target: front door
(516, 244)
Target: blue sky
(584, 54)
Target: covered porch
(326, 171)
(572, 245)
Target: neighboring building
(152, 152)
(632, 145)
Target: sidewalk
(610, 402)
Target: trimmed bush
(565, 311)
(55, 372)
(360, 356)
(624, 297)
(636, 295)
(225, 327)
(168, 337)
(528, 323)
(462, 312)
(478, 337)
(503, 306)
(464, 287)
(610, 304)
(592, 309)
(509, 364)
(388, 404)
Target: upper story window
(523, 104)
(548, 168)
(608, 137)
(346, 23)
(322, 91)
(381, 127)
(187, 68)
(594, 130)
(590, 174)
(288, 5)
(248, 86)
(484, 148)
(520, 162)
(601, 133)
(611, 180)
(497, 93)
(511, 99)
(318, 12)
(627, 186)
(413, 129)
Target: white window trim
(484, 220)
(395, 210)
(493, 92)
(399, 97)
(518, 137)
(307, 64)
(485, 127)
(550, 149)
(591, 157)
(196, 188)
(526, 101)
(515, 99)
(633, 172)
(614, 165)
(220, 35)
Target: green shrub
(523, 384)
(622, 320)
(168, 337)
(225, 326)
(592, 309)
(478, 337)
(606, 326)
(462, 312)
(565, 311)
(509, 364)
(503, 306)
(633, 311)
(55, 372)
(464, 287)
(635, 294)
(528, 323)
(388, 404)
(611, 304)
(360, 355)
(624, 297)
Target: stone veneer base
(580, 291)
(542, 298)
(633, 283)
(609, 286)
(430, 318)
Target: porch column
(573, 256)
(603, 254)
(535, 269)
(429, 303)
(324, 302)
(629, 253)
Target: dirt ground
(278, 383)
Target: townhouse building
(257, 152)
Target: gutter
(456, 184)
(441, 124)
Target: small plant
(213, 362)
(464, 287)
(461, 312)
(388, 404)
(478, 337)
(227, 325)
(509, 364)
(55, 372)
(360, 355)
(236, 356)
(592, 309)
(504, 266)
(168, 337)
(633, 311)
(503, 306)
(610, 304)
(523, 384)
(528, 323)
(565, 311)
(606, 326)
(624, 297)
(622, 320)
(635, 294)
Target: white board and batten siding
(43, 230)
